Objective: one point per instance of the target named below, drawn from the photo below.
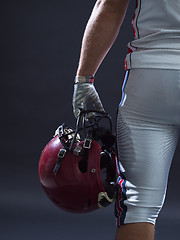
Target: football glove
(84, 95)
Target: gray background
(40, 43)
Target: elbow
(113, 6)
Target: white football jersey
(156, 44)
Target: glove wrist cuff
(84, 79)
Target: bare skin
(133, 231)
(100, 33)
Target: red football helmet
(71, 169)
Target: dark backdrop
(40, 44)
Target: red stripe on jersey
(134, 18)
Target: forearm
(100, 33)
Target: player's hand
(85, 94)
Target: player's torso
(156, 25)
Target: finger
(89, 116)
(78, 107)
(77, 102)
(98, 106)
(97, 102)
(76, 112)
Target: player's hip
(152, 95)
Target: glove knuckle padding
(83, 93)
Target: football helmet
(78, 173)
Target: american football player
(148, 117)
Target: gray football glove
(85, 93)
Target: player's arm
(100, 33)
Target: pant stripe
(123, 87)
(121, 208)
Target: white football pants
(148, 123)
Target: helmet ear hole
(83, 166)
